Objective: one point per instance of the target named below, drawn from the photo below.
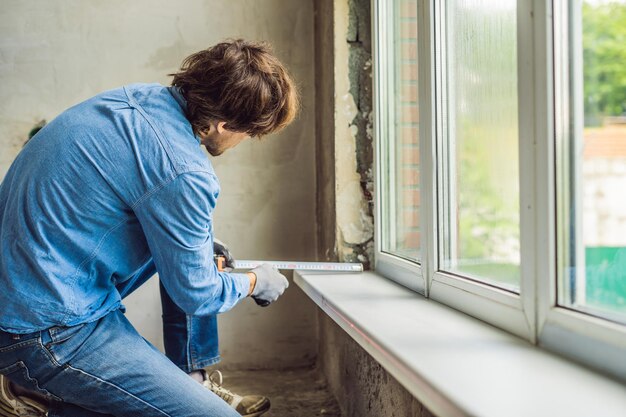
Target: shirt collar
(180, 99)
(178, 96)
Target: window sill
(452, 363)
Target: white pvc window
(584, 307)
(520, 161)
(592, 163)
(479, 172)
(398, 120)
(474, 159)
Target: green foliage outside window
(604, 57)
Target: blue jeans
(105, 368)
(191, 342)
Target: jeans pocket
(62, 343)
(18, 373)
(60, 334)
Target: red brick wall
(407, 123)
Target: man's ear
(206, 132)
(221, 127)
(215, 126)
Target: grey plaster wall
(344, 130)
(359, 39)
(362, 387)
(325, 129)
(56, 53)
(345, 201)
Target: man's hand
(270, 284)
(220, 249)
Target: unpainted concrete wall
(59, 52)
(344, 131)
(360, 384)
(346, 208)
(325, 129)
(359, 39)
(362, 387)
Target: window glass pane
(480, 155)
(401, 208)
(593, 188)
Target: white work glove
(270, 284)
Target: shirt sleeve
(177, 222)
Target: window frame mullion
(428, 85)
(533, 117)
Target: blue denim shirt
(107, 186)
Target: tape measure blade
(307, 266)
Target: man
(112, 191)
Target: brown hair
(240, 83)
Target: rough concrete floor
(293, 393)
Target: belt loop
(45, 336)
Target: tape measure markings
(307, 266)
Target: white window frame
(597, 342)
(394, 267)
(503, 308)
(544, 101)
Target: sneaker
(247, 406)
(12, 405)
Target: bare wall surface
(352, 130)
(359, 38)
(59, 52)
(362, 387)
(325, 129)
